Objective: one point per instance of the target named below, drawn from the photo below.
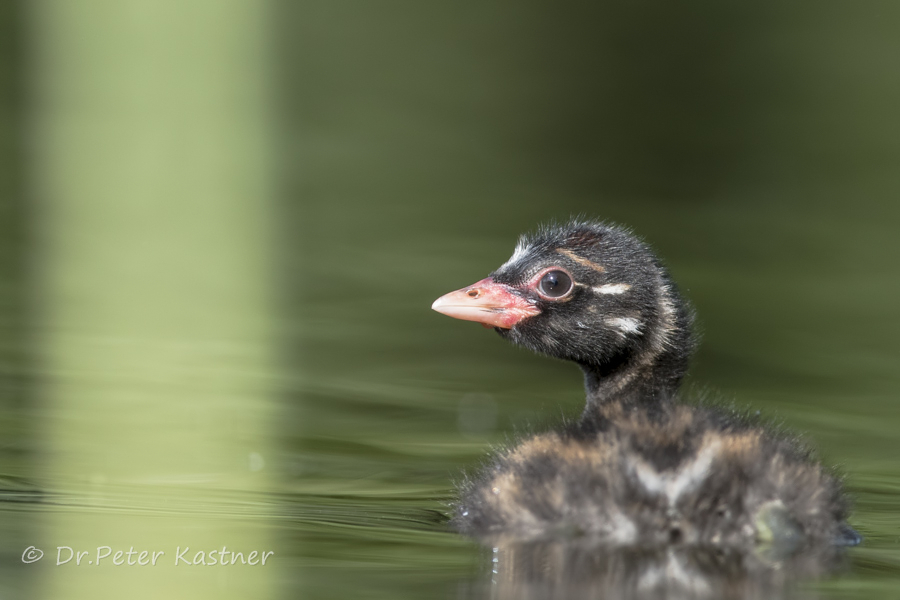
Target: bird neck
(648, 374)
(630, 383)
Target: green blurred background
(222, 225)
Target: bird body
(639, 467)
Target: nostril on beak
(474, 293)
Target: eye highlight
(555, 284)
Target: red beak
(487, 302)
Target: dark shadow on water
(17, 307)
(582, 569)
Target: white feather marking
(625, 325)
(612, 288)
(673, 485)
(694, 473)
(667, 320)
(520, 251)
(623, 530)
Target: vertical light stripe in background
(150, 174)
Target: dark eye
(555, 284)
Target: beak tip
(437, 304)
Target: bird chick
(639, 467)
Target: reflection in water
(154, 328)
(581, 569)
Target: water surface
(223, 337)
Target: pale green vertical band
(153, 206)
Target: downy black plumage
(639, 466)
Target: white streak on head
(625, 325)
(518, 254)
(612, 288)
(667, 317)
